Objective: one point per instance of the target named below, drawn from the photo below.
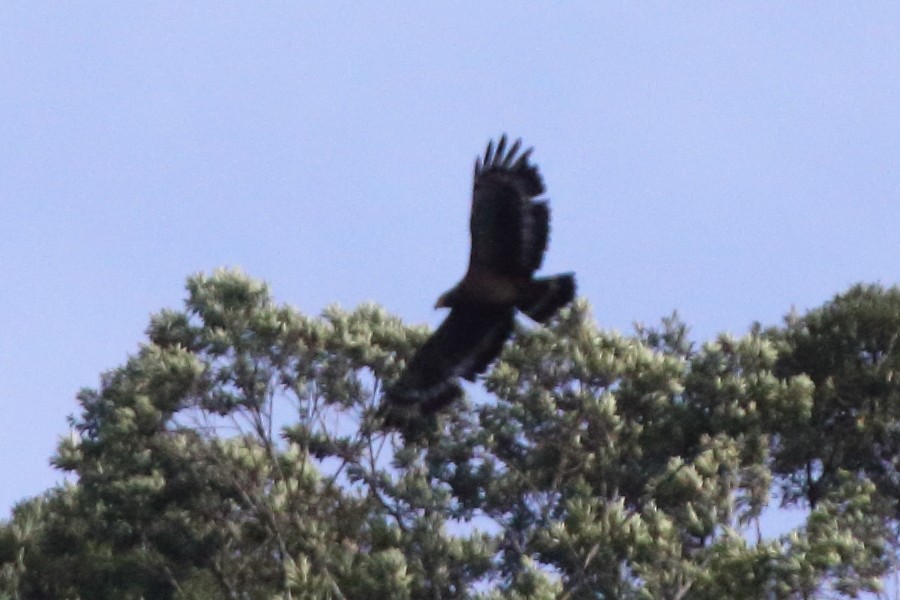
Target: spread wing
(464, 345)
(509, 227)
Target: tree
(239, 454)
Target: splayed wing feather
(508, 233)
(489, 154)
(500, 148)
(523, 161)
(511, 154)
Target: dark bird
(509, 229)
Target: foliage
(850, 349)
(238, 455)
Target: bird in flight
(509, 228)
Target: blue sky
(729, 161)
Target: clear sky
(729, 161)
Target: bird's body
(509, 230)
(482, 288)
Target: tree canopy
(239, 454)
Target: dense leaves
(850, 349)
(239, 455)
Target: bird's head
(447, 299)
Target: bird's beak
(441, 302)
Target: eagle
(509, 229)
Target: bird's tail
(544, 296)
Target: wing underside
(464, 345)
(509, 228)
